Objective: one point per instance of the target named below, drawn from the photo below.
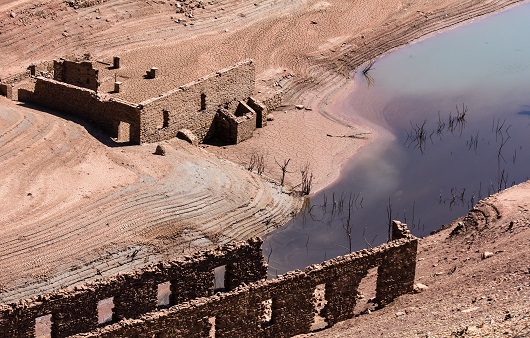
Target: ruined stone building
(179, 298)
(218, 106)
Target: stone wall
(80, 74)
(107, 113)
(135, 293)
(6, 90)
(241, 312)
(84, 3)
(195, 105)
(236, 127)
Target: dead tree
(307, 179)
(283, 168)
(256, 162)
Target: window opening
(320, 302)
(163, 294)
(105, 310)
(267, 314)
(165, 115)
(203, 101)
(43, 326)
(219, 279)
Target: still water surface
(453, 117)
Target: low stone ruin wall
(84, 3)
(285, 306)
(135, 293)
(194, 106)
(108, 114)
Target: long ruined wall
(194, 105)
(242, 312)
(135, 293)
(85, 103)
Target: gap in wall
(43, 326)
(366, 293)
(163, 294)
(124, 132)
(219, 279)
(320, 302)
(267, 315)
(105, 310)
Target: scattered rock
(486, 254)
(471, 309)
(420, 287)
(187, 135)
(270, 117)
(160, 150)
(470, 329)
(400, 313)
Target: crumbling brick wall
(194, 105)
(135, 293)
(80, 74)
(240, 313)
(85, 103)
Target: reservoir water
(452, 114)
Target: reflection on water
(453, 118)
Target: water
(453, 117)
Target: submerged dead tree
(307, 179)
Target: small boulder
(188, 136)
(160, 150)
(299, 106)
(270, 117)
(486, 254)
(420, 287)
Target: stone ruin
(245, 305)
(218, 106)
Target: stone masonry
(195, 311)
(219, 105)
(135, 293)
